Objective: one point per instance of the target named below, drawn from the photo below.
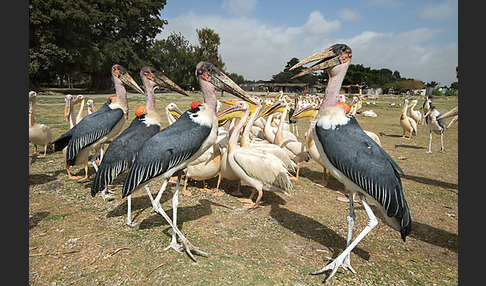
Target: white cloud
(348, 15)
(239, 7)
(252, 48)
(440, 11)
(257, 50)
(412, 53)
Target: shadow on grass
(435, 236)
(311, 229)
(409, 146)
(184, 214)
(429, 181)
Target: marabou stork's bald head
(120, 73)
(336, 56)
(335, 61)
(153, 77)
(206, 72)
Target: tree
(175, 58)
(89, 36)
(208, 47)
(286, 75)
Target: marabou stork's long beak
(309, 111)
(450, 113)
(330, 57)
(212, 74)
(164, 81)
(128, 80)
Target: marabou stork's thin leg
(336, 263)
(188, 247)
(175, 203)
(351, 217)
(442, 142)
(129, 211)
(430, 142)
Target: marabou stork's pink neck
(336, 77)
(209, 94)
(150, 101)
(121, 92)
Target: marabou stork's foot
(341, 260)
(428, 152)
(174, 245)
(205, 190)
(34, 155)
(130, 223)
(109, 195)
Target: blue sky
(258, 37)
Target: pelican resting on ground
(354, 158)
(174, 147)
(122, 151)
(39, 134)
(98, 127)
(407, 123)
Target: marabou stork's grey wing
(121, 153)
(164, 151)
(90, 129)
(441, 122)
(366, 164)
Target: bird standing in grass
(353, 158)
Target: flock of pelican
(249, 142)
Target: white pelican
(99, 127)
(172, 112)
(354, 158)
(415, 114)
(180, 143)
(122, 151)
(407, 123)
(296, 149)
(260, 169)
(39, 134)
(435, 125)
(91, 107)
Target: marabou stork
(354, 158)
(180, 143)
(435, 125)
(98, 127)
(122, 151)
(39, 134)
